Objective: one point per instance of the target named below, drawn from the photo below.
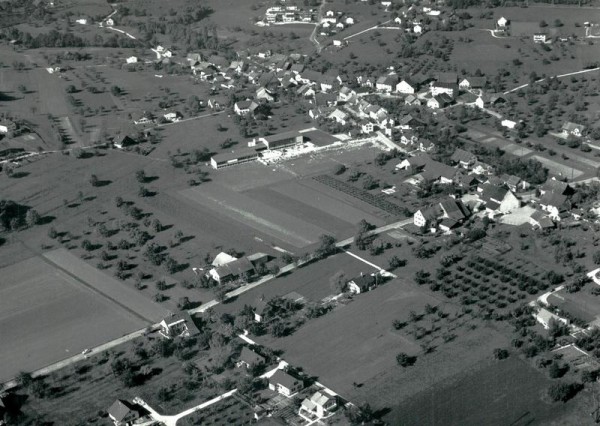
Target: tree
(395, 262)
(597, 258)
(184, 303)
(404, 360)
(140, 176)
(94, 180)
(500, 353)
(71, 89)
(32, 217)
(563, 391)
(338, 281)
(161, 285)
(143, 191)
(327, 246)
(24, 379)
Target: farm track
(373, 200)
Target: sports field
(47, 315)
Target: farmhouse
(557, 205)
(178, 325)
(318, 406)
(244, 107)
(362, 283)
(264, 93)
(557, 187)
(387, 83)
(498, 199)
(540, 37)
(233, 158)
(123, 413)
(132, 60)
(439, 101)
(233, 270)
(407, 87)
(249, 358)
(573, 129)
(124, 142)
(414, 164)
(285, 384)
(509, 124)
(472, 83)
(449, 214)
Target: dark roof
(542, 219)
(455, 209)
(553, 199)
(364, 281)
(430, 213)
(460, 155)
(419, 160)
(443, 99)
(284, 379)
(189, 322)
(235, 268)
(434, 170)
(553, 185)
(250, 357)
(121, 409)
(476, 82)
(493, 192)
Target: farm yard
(48, 315)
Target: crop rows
(374, 200)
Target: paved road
(287, 268)
(556, 76)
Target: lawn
(310, 281)
(73, 317)
(355, 343)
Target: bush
(404, 360)
(563, 391)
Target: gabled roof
(568, 126)
(430, 213)
(419, 160)
(460, 155)
(250, 105)
(235, 268)
(120, 409)
(553, 185)
(492, 192)
(319, 398)
(183, 316)
(476, 82)
(553, 199)
(284, 379)
(435, 170)
(250, 357)
(454, 209)
(443, 99)
(364, 281)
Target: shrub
(563, 391)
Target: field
(498, 393)
(48, 315)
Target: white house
(338, 116)
(502, 22)
(173, 117)
(110, 22)
(406, 87)
(418, 29)
(82, 21)
(131, 60)
(244, 107)
(498, 199)
(572, 129)
(318, 406)
(540, 37)
(123, 413)
(509, 124)
(178, 325)
(285, 384)
(349, 21)
(337, 43)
